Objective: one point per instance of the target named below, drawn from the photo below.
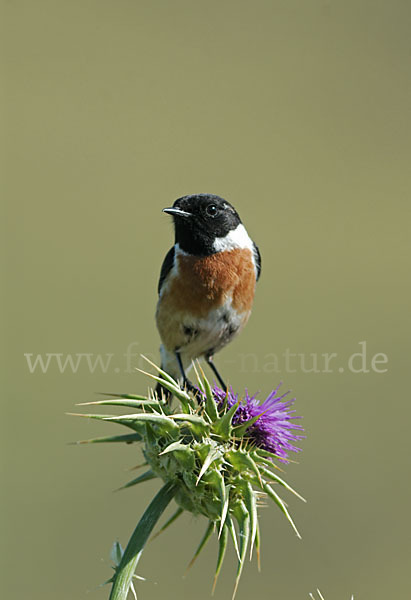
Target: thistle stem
(135, 546)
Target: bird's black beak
(177, 212)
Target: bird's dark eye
(211, 210)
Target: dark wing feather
(166, 267)
(257, 258)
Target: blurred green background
(298, 112)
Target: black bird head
(199, 220)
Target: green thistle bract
(210, 465)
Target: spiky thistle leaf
(215, 454)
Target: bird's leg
(209, 360)
(189, 386)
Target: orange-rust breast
(204, 283)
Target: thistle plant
(215, 454)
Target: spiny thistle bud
(215, 455)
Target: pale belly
(195, 337)
(208, 335)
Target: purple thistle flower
(215, 455)
(273, 429)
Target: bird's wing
(166, 267)
(257, 258)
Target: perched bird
(207, 283)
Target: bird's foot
(190, 387)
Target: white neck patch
(179, 251)
(236, 238)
